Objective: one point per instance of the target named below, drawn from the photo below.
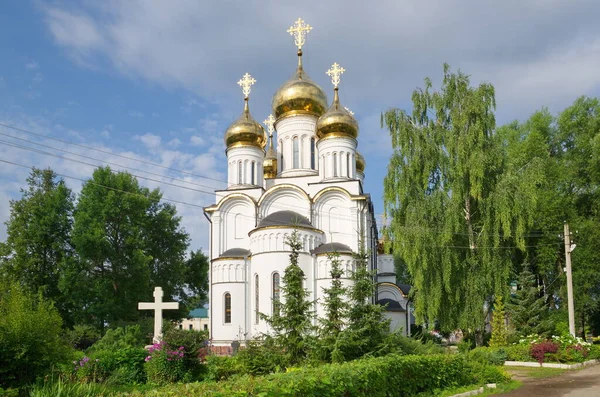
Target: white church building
(303, 173)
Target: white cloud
(175, 142)
(196, 140)
(150, 140)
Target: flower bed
(556, 349)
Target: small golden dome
(270, 161)
(299, 95)
(337, 121)
(360, 163)
(245, 131)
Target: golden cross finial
(335, 72)
(299, 30)
(246, 83)
(269, 121)
(349, 111)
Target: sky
(151, 84)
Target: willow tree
(458, 207)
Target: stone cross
(158, 306)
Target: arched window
(335, 165)
(276, 292)
(252, 168)
(348, 165)
(228, 308)
(239, 172)
(281, 156)
(312, 153)
(296, 149)
(256, 301)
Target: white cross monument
(158, 306)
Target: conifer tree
(292, 323)
(527, 307)
(498, 324)
(336, 312)
(367, 325)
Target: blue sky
(156, 81)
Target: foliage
(367, 325)
(119, 338)
(517, 352)
(82, 336)
(291, 324)
(164, 364)
(60, 388)
(527, 308)
(38, 244)
(539, 350)
(128, 242)
(219, 368)
(499, 332)
(487, 355)
(457, 207)
(194, 350)
(336, 314)
(396, 342)
(382, 376)
(261, 358)
(30, 336)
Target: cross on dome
(349, 111)
(299, 30)
(269, 121)
(246, 83)
(335, 72)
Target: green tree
(292, 323)
(336, 308)
(128, 242)
(38, 244)
(196, 278)
(527, 307)
(30, 341)
(499, 332)
(367, 325)
(458, 207)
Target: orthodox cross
(246, 83)
(349, 111)
(335, 72)
(158, 306)
(299, 30)
(269, 121)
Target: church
(303, 173)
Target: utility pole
(568, 249)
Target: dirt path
(581, 383)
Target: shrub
(261, 358)
(517, 353)
(487, 355)
(220, 368)
(397, 343)
(382, 376)
(539, 350)
(195, 349)
(82, 337)
(30, 341)
(165, 365)
(120, 337)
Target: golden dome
(270, 161)
(245, 131)
(337, 121)
(360, 163)
(299, 95)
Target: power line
(109, 152)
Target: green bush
(488, 355)
(165, 365)
(594, 352)
(381, 376)
(398, 343)
(30, 336)
(61, 388)
(193, 344)
(121, 337)
(518, 353)
(123, 366)
(260, 358)
(220, 368)
(81, 337)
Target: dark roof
(331, 247)
(392, 305)
(201, 312)
(235, 253)
(284, 218)
(405, 288)
(386, 274)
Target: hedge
(382, 376)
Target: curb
(476, 391)
(550, 365)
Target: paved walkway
(577, 383)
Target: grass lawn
(501, 388)
(534, 372)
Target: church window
(191, 326)
(296, 163)
(312, 153)
(256, 301)
(252, 167)
(228, 308)
(276, 293)
(335, 165)
(239, 173)
(281, 167)
(348, 165)
(205, 327)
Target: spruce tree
(336, 313)
(292, 324)
(498, 324)
(527, 307)
(367, 325)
